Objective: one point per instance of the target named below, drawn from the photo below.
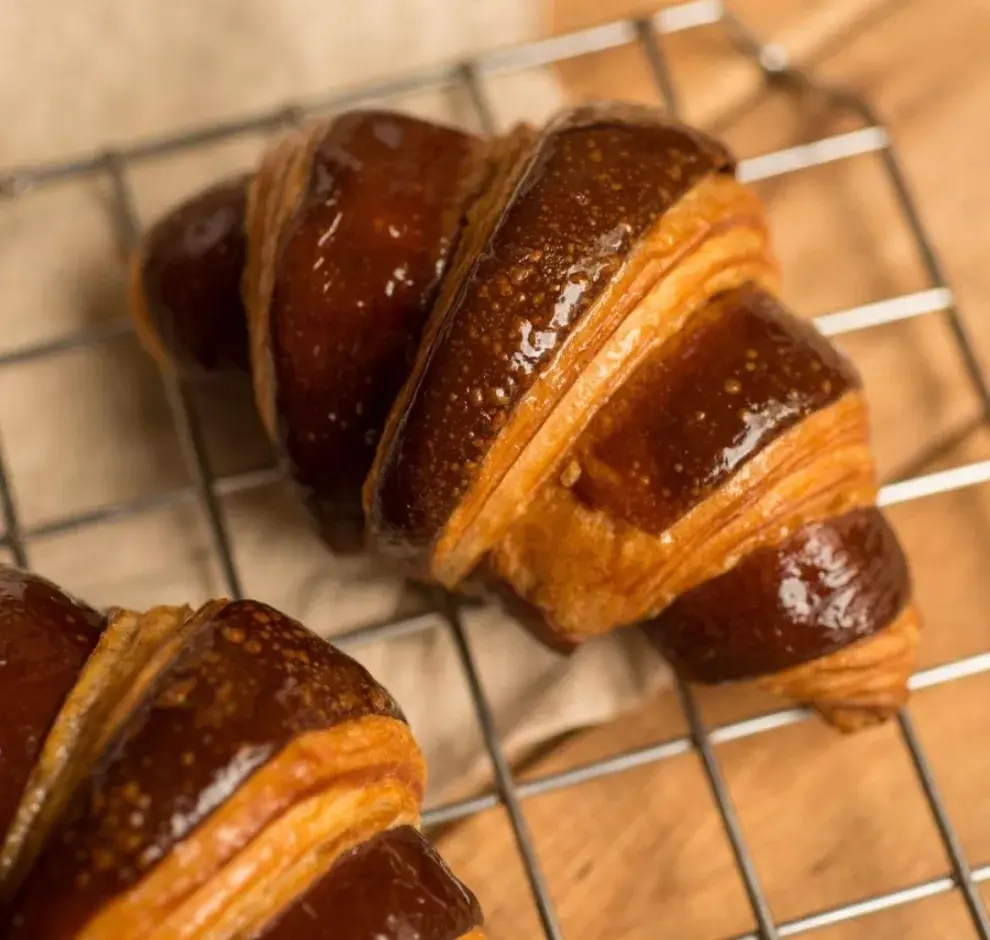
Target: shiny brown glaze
(190, 280)
(249, 681)
(827, 586)
(595, 181)
(392, 887)
(742, 372)
(355, 282)
(46, 637)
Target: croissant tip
(852, 718)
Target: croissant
(612, 416)
(610, 419)
(215, 774)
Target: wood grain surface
(829, 819)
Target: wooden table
(829, 819)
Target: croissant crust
(351, 222)
(221, 774)
(559, 236)
(186, 283)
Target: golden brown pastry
(351, 222)
(211, 775)
(612, 417)
(186, 283)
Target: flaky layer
(738, 374)
(506, 160)
(366, 776)
(712, 239)
(134, 648)
(830, 584)
(265, 842)
(274, 194)
(369, 217)
(593, 183)
(859, 685)
(590, 572)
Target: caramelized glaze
(734, 379)
(248, 682)
(46, 637)
(593, 184)
(191, 265)
(827, 586)
(392, 887)
(355, 282)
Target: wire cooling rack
(207, 490)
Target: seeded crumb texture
(598, 178)
(738, 375)
(249, 682)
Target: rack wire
(207, 490)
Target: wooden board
(829, 819)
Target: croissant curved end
(132, 650)
(185, 283)
(860, 685)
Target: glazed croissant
(219, 773)
(610, 419)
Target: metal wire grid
(208, 490)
